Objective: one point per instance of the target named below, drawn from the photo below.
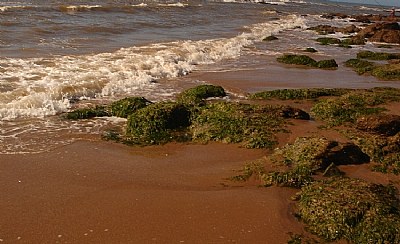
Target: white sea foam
(44, 86)
(6, 8)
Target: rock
(372, 29)
(327, 29)
(270, 38)
(294, 113)
(387, 36)
(348, 29)
(344, 154)
(383, 124)
(324, 29)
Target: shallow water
(57, 55)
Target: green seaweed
(307, 61)
(360, 66)
(387, 72)
(87, 113)
(328, 40)
(157, 123)
(383, 150)
(252, 125)
(297, 59)
(197, 94)
(377, 55)
(347, 108)
(351, 209)
(126, 106)
(299, 94)
(327, 64)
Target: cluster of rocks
(379, 29)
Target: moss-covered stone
(307, 61)
(351, 209)
(328, 40)
(353, 41)
(327, 64)
(377, 55)
(125, 107)
(87, 113)
(387, 72)
(197, 94)
(297, 59)
(252, 125)
(383, 150)
(309, 155)
(347, 108)
(299, 94)
(360, 66)
(157, 123)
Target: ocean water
(57, 55)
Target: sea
(56, 55)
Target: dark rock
(344, 154)
(294, 113)
(383, 124)
(270, 38)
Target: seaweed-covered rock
(87, 113)
(307, 61)
(309, 155)
(157, 123)
(252, 125)
(199, 93)
(384, 124)
(327, 64)
(328, 40)
(353, 41)
(347, 108)
(294, 94)
(351, 209)
(297, 59)
(126, 106)
(360, 66)
(387, 72)
(377, 55)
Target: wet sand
(100, 192)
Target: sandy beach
(93, 191)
